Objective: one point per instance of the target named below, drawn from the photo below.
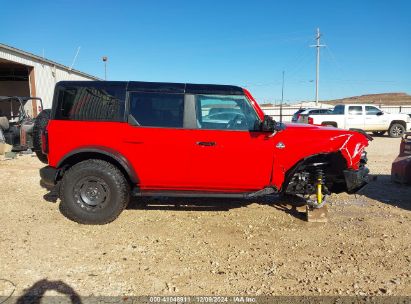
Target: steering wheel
(239, 122)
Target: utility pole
(317, 78)
(282, 89)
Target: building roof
(46, 61)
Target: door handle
(206, 143)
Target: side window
(225, 112)
(338, 109)
(90, 103)
(369, 110)
(355, 110)
(157, 109)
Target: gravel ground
(209, 247)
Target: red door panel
(231, 161)
(159, 156)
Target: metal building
(26, 74)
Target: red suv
(107, 141)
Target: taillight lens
(310, 120)
(298, 116)
(45, 142)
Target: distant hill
(384, 98)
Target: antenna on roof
(75, 57)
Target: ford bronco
(107, 141)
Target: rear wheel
(94, 192)
(39, 125)
(396, 130)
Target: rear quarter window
(96, 102)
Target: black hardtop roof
(165, 87)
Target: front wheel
(396, 130)
(94, 192)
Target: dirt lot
(215, 247)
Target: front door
(228, 152)
(375, 120)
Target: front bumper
(356, 179)
(49, 176)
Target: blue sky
(247, 43)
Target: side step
(193, 194)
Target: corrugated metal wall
(45, 74)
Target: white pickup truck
(362, 116)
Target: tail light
(45, 142)
(310, 120)
(298, 116)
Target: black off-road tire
(396, 130)
(378, 133)
(93, 174)
(39, 125)
(42, 157)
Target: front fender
(302, 143)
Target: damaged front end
(355, 180)
(340, 169)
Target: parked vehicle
(365, 117)
(314, 111)
(221, 118)
(20, 129)
(107, 141)
(297, 115)
(401, 167)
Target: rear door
(228, 154)
(156, 142)
(355, 117)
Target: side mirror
(380, 113)
(268, 124)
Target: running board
(193, 194)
